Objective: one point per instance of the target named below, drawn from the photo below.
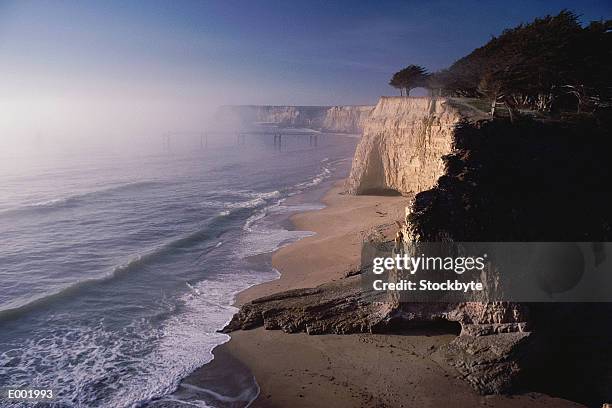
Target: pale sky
(119, 69)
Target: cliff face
(293, 116)
(403, 142)
(346, 119)
(528, 181)
(341, 119)
(496, 181)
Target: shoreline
(237, 379)
(303, 263)
(355, 370)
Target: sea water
(116, 271)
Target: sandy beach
(335, 248)
(362, 370)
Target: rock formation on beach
(339, 307)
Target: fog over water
(116, 74)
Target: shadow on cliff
(535, 181)
(526, 181)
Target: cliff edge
(404, 140)
(333, 119)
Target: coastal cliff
(338, 119)
(404, 140)
(476, 179)
(470, 178)
(346, 119)
(402, 149)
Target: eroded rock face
(346, 119)
(490, 363)
(339, 119)
(245, 116)
(338, 308)
(404, 140)
(404, 148)
(475, 318)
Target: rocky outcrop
(343, 307)
(489, 352)
(475, 318)
(490, 364)
(339, 307)
(338, 119)
(404, 140)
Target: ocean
(116, 271)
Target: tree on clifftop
(552, 63)
(413, 76)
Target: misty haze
(190, 191)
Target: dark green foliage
(552, 64)
(411, 77)
(533, 64)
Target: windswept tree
(550, 64)
(413, 76)
(498, 87)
